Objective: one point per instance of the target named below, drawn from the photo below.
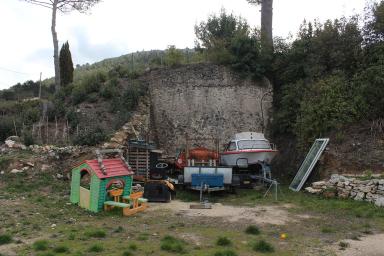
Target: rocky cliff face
(204, 102)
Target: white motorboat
(248, 148)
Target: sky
(117, 27)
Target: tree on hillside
(66, 65)
(266, 23)
(227, 39)
(64, 6)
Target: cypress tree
(66, 65)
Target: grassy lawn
(37, 219)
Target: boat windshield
(253, 144)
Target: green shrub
(128, 253)
(91, 136)
(223, 241)
(132, 246)
(40, 245)
(92, 97)
(172, 244)
(28, 138)
(263, 246)
(225, 253)
(97, 233)
(61, 249)
(252, 230)
(96, 248)
(5, 239)
(79, 94)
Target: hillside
(327, 82)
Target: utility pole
(40, 86)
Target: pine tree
(66, 65)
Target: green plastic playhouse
(92, 179)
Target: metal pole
(40, 86)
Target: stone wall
(204, 101)
(371, 190)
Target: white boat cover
(249, 136)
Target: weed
(46, 254)
(143, 237)
(127, 253)
(5, 239)
(119, 229)
(252, 230)
(132, 247)
(327, 230)
(71, 236)
(263, 246)
(223, 241)
(96, 248)
(172, 244)
(225, 253)
(61, 249)
(97, 233)
(40, 245)
(343, 245)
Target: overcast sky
(117, 27)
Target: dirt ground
(275, 215)
(372, 245)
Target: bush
(252, 230)
(173, 56)
(90, 136)
(6, 128)
(109, 90)
(96, 248)
(226, 253)
(28, 138)
(223, 241)
(97, 233)
(5, 239)
(263, 246)
(171, 244)
(61, 249)
(79, 94)
(132, 247)
(40, 245)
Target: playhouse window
(85, 180)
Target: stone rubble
(344, 187)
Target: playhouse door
(84, 198)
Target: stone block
(379, 202)
(360, 196)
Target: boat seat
(140, 200)
(117, 204)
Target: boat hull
(230, 158)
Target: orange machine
(200, 155)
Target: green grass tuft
(263, 246)
(132, 246)
(327, 230)
(96, 248)
(223, 241)
(97, 233)
(61, 249)
(225, 253)
(252, 230)
(40, 245)
(172, 244)
(5, 239)
(127, 253)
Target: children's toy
(105, 184)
